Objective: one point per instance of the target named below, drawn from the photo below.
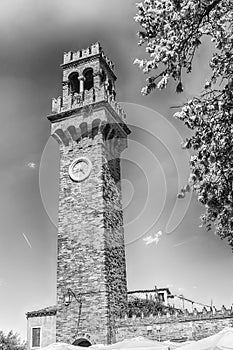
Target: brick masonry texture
(180, 328)
(91, 256)
(175, 329)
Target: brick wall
(176, 329)
(156, 328)
(81, 260)
(91, 256)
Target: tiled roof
(149, 291)
(47, 311)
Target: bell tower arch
(91, 130)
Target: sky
(164, 244)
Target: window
(74, 82)
(110, 87)
(102, 77)
(89, 80)
(161, 297)
(36, 337)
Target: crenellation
(93, 50)
(108, 61)
(174, 327)
(81, 90)
(90, 97)
(96, 48)
(57, 104)
(66, 57)
(181, 315)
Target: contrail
(26, 239)
(187, 241)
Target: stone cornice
(53, 118)
(80, 60)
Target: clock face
(80, 169)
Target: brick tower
(90, 128)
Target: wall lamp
(68, 297)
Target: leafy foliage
(172, 31)
(147, 307)
(11, 341)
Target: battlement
(92, 50)
(177, 316)
(87, 98)
(178, 327)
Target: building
(91, 130)
(92, 306)
(162, 295)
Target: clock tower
(91, 130)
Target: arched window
(89, 80)
(74, 82)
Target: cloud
(32, 165)
(153, 239)
(27, 240)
